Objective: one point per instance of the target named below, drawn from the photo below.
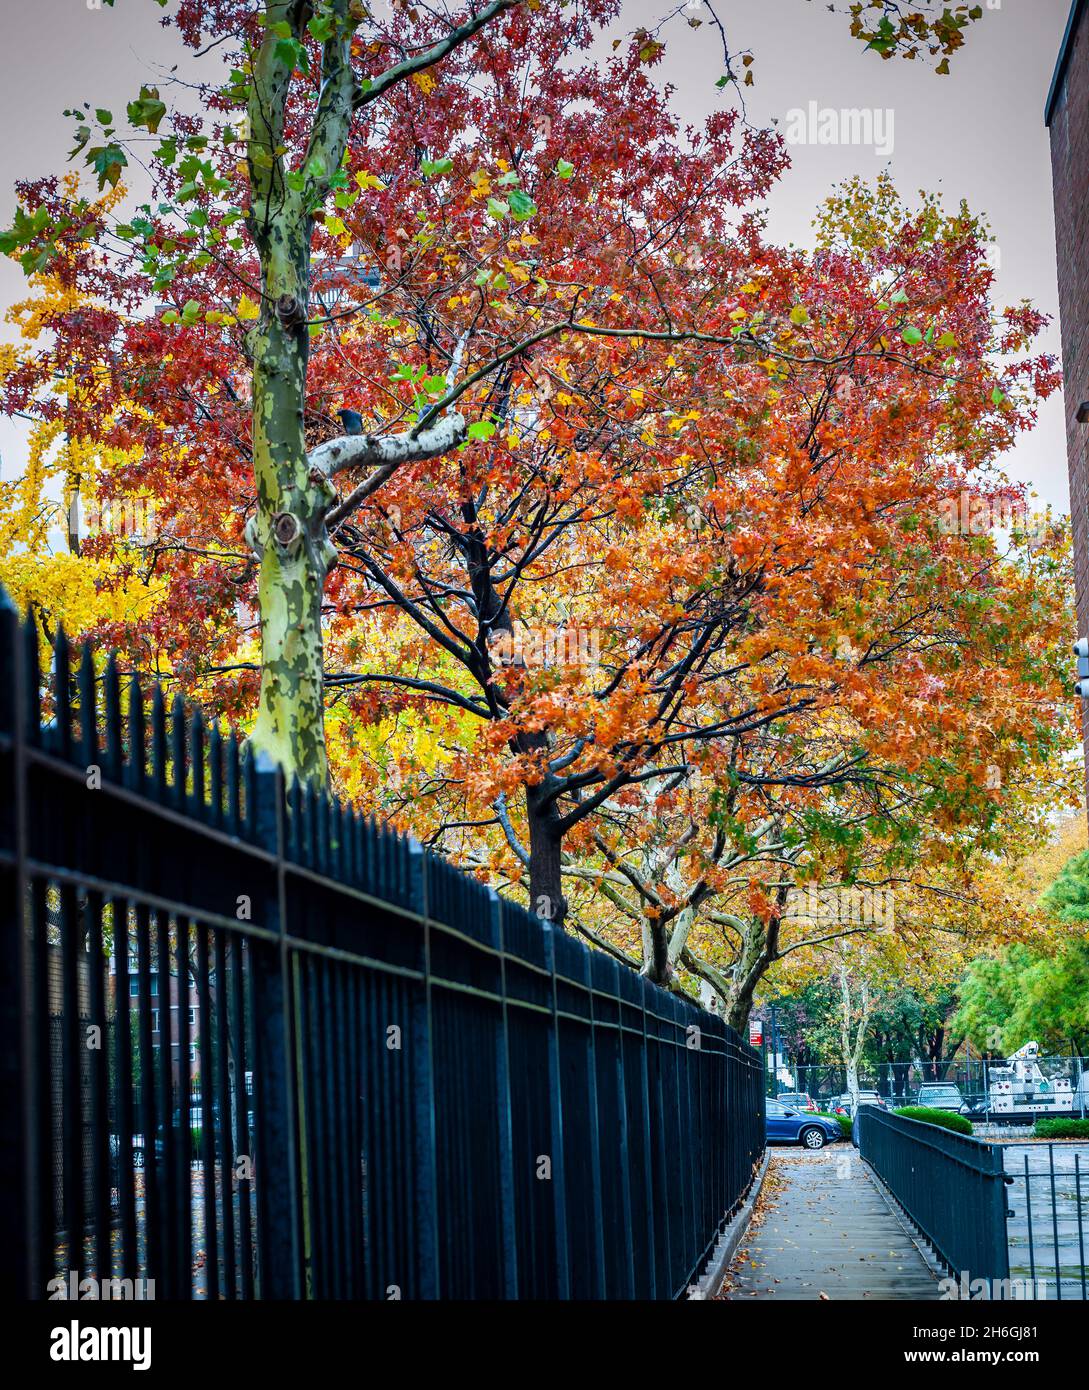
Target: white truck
(1018, 1092)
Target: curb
(710, 1280)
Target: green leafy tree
(1026, 994)
(1068, 896)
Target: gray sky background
(977, 134)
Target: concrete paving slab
(824, 1231)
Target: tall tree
(662, 401)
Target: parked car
(840, 1105)
(798, 1100)
(941, 1095)
(872, 1098)
(786, 1124)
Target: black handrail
(952, 1187)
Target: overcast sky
(977, 134)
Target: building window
(192, 1018)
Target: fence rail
(952, 1186)
(257, 1046)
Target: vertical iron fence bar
(215, 775)
(425, 1171)
(207, 1115)
(169, 1197)
(239, 969)
(683, 1244)
(327, 1100)
(503, 1102)
(44, 1100)
(23, 1161)
(153, 1197)
(277, 1189)
(355, 1140)
(1055, 1223)
(383, 1152)
(244, 1157)
(125, 1109)
(661, 1194)
(62, 696)
(100, 1083)
(313, 1077)
(184, 1247)
(626, 1214)
(364, 1095)
(559, 1192)
(1081, 1226)
(343, 1125)
(225, 1131)
(597, 1175)
(72, 1095)
(1028, 1218)
(648, 1163)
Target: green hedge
(948, 1119)
(844, 1121)
(1061, 1129)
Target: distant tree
(1068, 896)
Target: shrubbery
(1061, 1129)
(844, 1121)
(947, 1119)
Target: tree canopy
(507, 477)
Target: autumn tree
(783, 608)
(630, 387)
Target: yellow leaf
(247, 309)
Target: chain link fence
(1016, 1089)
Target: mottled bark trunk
(657, 965)
(751, 968)
(288, 532)
(738, 1010)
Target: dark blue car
(785, 1125)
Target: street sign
(756, 1032)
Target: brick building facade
(1067, 118)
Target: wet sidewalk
(823, 1230)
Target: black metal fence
(952, 1186)
(1048, 1218)
(254, 1045)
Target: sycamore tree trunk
(751, 968)
(853, 1026)
(289, 533)
(296, 499)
